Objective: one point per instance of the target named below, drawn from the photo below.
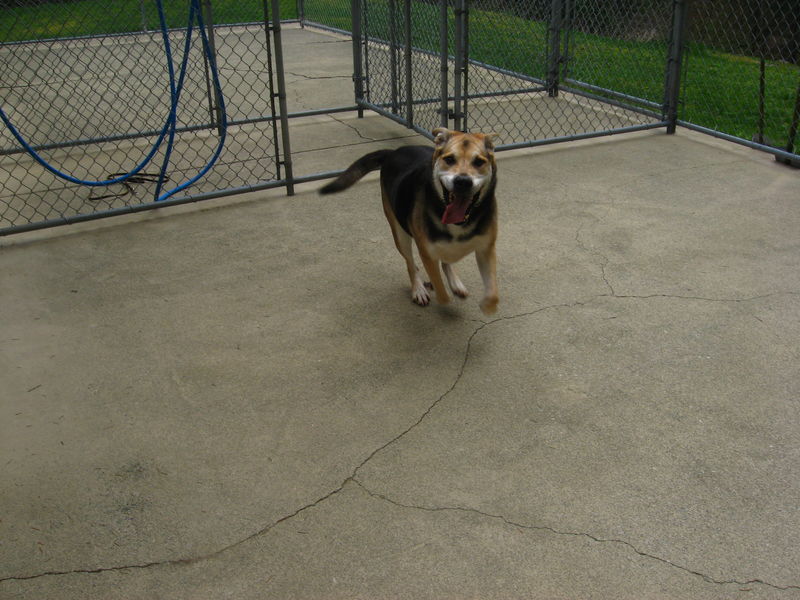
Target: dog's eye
(449, 160)
(478, 162)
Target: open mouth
(458, 207)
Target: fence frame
(453, 106)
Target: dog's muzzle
(459, 200)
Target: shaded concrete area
(239, 400)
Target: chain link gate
(87, 86)
(409, 61)
(540, 71)
(95, 106)
(452, 63)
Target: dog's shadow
(394, 309)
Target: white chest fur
(451, 251)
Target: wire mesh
(87, 84)
(557, 69)
(383, 31)
(411, 60)
(326, 13)
(631, 35)
(526, 69)
(93, 105)
(742, 70)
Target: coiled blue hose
(195, 13)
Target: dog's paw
(420, 295)
(460, 290)
(489, 305)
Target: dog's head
(463, 171)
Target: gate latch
(451, 114)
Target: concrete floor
(239, 400)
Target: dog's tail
(365, 164)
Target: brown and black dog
(442, 198)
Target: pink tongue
(456, 211)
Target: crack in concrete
(267, 528)
(366, 141)
(589, 536)
(354, 128)
(328, 41)
(614, 294)
(315, 77)
(181, 561)
(353, 475)
(701, 298)
(604, 258)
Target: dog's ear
(440, 136)
(488, 140)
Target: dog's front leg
(487, 265)
(456, 286)
(434, 274)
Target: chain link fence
(326, 14)
(410, 60)
(537, 71)
(87, 85)
(533, 71)
(564, 69)
(742, 71)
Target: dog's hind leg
(419, 291)
(456, 286)
(403, 243)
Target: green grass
(720, 90)
(90, 17)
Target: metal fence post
(409, 93)
(444, 53)
(792, 135)
(465, 67)
(271, 85)
(358, 78)
(554, 50)
(144, 16)
(213, 94)
(393, 49)
(567, 20)
(672, 87)
(287, 151)
(458, 80)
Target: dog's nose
(462, 183)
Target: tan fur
(458, 159)
(402, 242)
(464, 148)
